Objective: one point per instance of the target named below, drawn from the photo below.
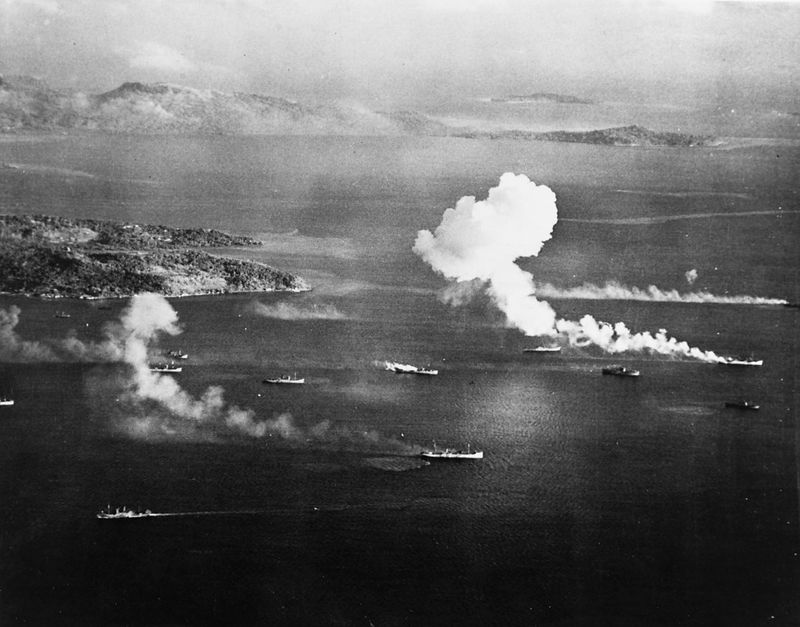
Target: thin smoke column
(478, 243)
(612, 290)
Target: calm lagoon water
(600, 500)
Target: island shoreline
(54, 257)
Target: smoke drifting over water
(13, 348)
(156, 399)
(617, 338)
(288, 311)
(147, 317)
(154, 405)
(476, 246)
(17, 350)
(616, 291)
(326, 434)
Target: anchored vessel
(620, 371)
(162, 367)
(5, 401)
(741, 405)
(542, 349)
(62, 314)
(123, 513)
(177, 355)
(286, 379)
(449, 453)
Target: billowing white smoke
(12, 347)
(15, 349)
(147, 317)
(617, 338)
(691, 276)
(394, 366)
(482, 240)
(155, 405)
(616, 291)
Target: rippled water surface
(600, 500)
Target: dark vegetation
(60, 257)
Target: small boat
(123, 513)
(620, 371)
(449, 453)
(62, 314)
(740, 361)
(5, 401)
(286, 379)
(742, 405)
(162, 367)
(177, 355)
(542, 349)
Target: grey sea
(600, 500)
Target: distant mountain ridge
(29, 104)
(544, 96)
(163, 108)
(633, 135)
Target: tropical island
(57, 257)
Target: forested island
(57, 257)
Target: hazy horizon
(378, 53)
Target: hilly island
(55, 257)
(30, 105)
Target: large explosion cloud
(482, 240)
(479, 242)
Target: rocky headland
(55, 257)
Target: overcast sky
(411, 49)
